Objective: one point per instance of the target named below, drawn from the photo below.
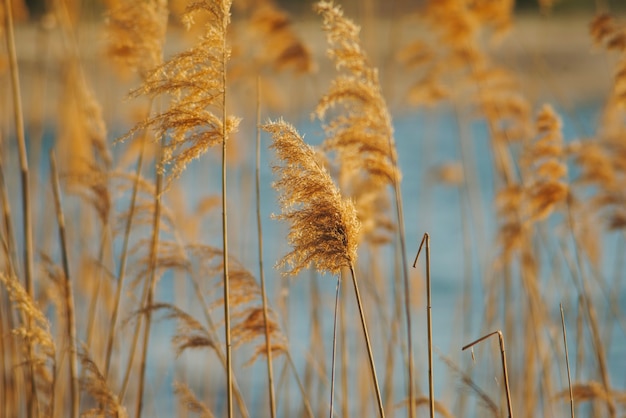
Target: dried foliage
(247, 322)
(39, 348)
(95, 384)
(361, 134)
(323, 226)
(544, 162)
(280, 46)
(136, 32)
(191, 402)
(190, 333)
(195, 81)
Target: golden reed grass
(541, 180)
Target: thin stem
(123, 260)
(431, 396)
(332, 367)
(268, 344)
(31, 397)
(569, 377)
(229, 360)
(69, 297)
(307, 404)
(504, 368)
(150, 285)
(407, 287)
(379, 399)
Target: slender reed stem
(218, 348)
(569, 377)
(229, 360)
(150, 285)
(407, 287)
(268, 344)
(11, 255)
(379, 399)
(69, 297)
(305, 399)
(123, 260)
(345, 398)
(431, 396)
(93, 304)
(504, 368)
(31, 397)
(332, 367)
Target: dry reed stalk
(150, 285)
(10, 249)
(268, 352)
(69, 296)
(589, 310)
(344, 355)
(31, 397)
(197, 81)
(136, 36)
(569, 377)
(123, 261)
(362, 134)
(431, 386)
(323, 226)
(504, 368)
(332, 362)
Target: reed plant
(108, 251)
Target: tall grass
(88, 266)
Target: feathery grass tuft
(323, 226)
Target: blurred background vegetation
(391, 7)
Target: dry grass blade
(95, 384)
(323, 227)
(191, 402)
(190, 333)
(467, 380)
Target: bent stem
(504, 369)
(431, 396)
(69, 297)
(379, 399)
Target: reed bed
(148, 180)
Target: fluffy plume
(39, 347)
(544, 162)
(195, 81)
(282, 49)
(136, 32)
(361, 135)
(323, 226)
